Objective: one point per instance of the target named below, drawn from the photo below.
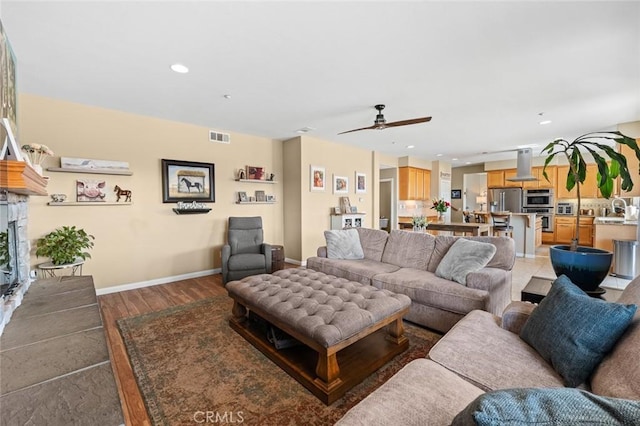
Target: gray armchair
(245, 253)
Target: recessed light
(468, 162)
(305, 129)
(179, 68)
(410, 146)
(542, 123)
(454, 159)
(438, 155)
(227, 96)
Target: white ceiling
(482, 70)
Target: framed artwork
(354, 209)
(345, 205)
(361, 183)
(316, 178)
(90, 190)
(340, 184)
(242, 196)
(336, 210)
(188, 181)
(260, 196)
(254, 172)
(456, 194)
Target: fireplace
(14, 253)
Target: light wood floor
(135, 302)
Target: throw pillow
(549, 406)
(573, 331)
(343, 244)
(464, 256)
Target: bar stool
(501, 222)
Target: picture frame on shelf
(242, 197)
(336, 210)
(271, 198)
(260, 196)
(255, 173)
(90, 190)
(354, 209)
(317, 178)
(361, 183)
(345, 205)
(340, 184)
(188, 181)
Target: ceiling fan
(380, 123)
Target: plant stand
(48, 269)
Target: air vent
(219, 137)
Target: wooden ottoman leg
(238, 311)
(396, 332)
(327, 371)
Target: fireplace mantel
(20, 178)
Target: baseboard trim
(295, 262)
(157, 281)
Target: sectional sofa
(405, 262)
(484, 353)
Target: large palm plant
(608, 169)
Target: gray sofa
(405, 262)
(483, 353)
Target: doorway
(387, 205)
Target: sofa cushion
(480, 350)
(421, 393)
(463, 257)
(427, 289)
(563, 406)
(574, 331)
(504, 258)
(354, 270)
(373, 242)
(343, 244)
(618, 375)
(409, 249)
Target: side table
(277, 258)
(49, 269)
(538, 287)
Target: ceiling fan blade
(407, 122)
(357, 130)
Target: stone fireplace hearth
(14, 278)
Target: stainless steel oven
(546, 213)
(538, 198)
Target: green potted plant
(5, 257)
(65, 245)
(587, 266)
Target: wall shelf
(91, 171)
(88, 203)
(255, 202)
(191, 211)
(257, 181)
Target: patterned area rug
(192, 368)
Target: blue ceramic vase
(586, 268)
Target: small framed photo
(340, 184)
(361, 183)
(345, 205)
(336, 210)
(271, 198)
(354, 209)
(260, 196)
(255, 173)
(456, 194)
(316, 178)
(242, 196)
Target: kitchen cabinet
(414, 183)
(495, 179)
(538, 231)
(552, 173)
(548, 237)
(508, 174)
(605, 233)
(589, 189)
(565, 229)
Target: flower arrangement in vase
(37, 153)
(419, 223)
(441, 206)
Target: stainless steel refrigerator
(505, 199)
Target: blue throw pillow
(552, 406)
(573, 331)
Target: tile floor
(525, 268)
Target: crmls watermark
(218, 417)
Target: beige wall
(631, 129)
(293, 188)
(146, 240)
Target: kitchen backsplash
(415, 208)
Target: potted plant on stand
(65, 245)
(587, 267)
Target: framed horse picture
(188, 181)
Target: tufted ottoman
(339, 321)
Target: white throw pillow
(343, 244)
(463, 257)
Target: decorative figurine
(122, 193)
(241, 174)
(271, 177)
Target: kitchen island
(607, 229)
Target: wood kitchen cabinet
(565, 230)
(508, 174)
(538, 231)
(414, 183)
(495, 178)
(589, 189)
(552, 173)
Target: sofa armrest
(487, 278)
(225, 255)
(322, 251)
(515, 315)
(266, 250)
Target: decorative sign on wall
(90, 190)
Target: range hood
(524, 166)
